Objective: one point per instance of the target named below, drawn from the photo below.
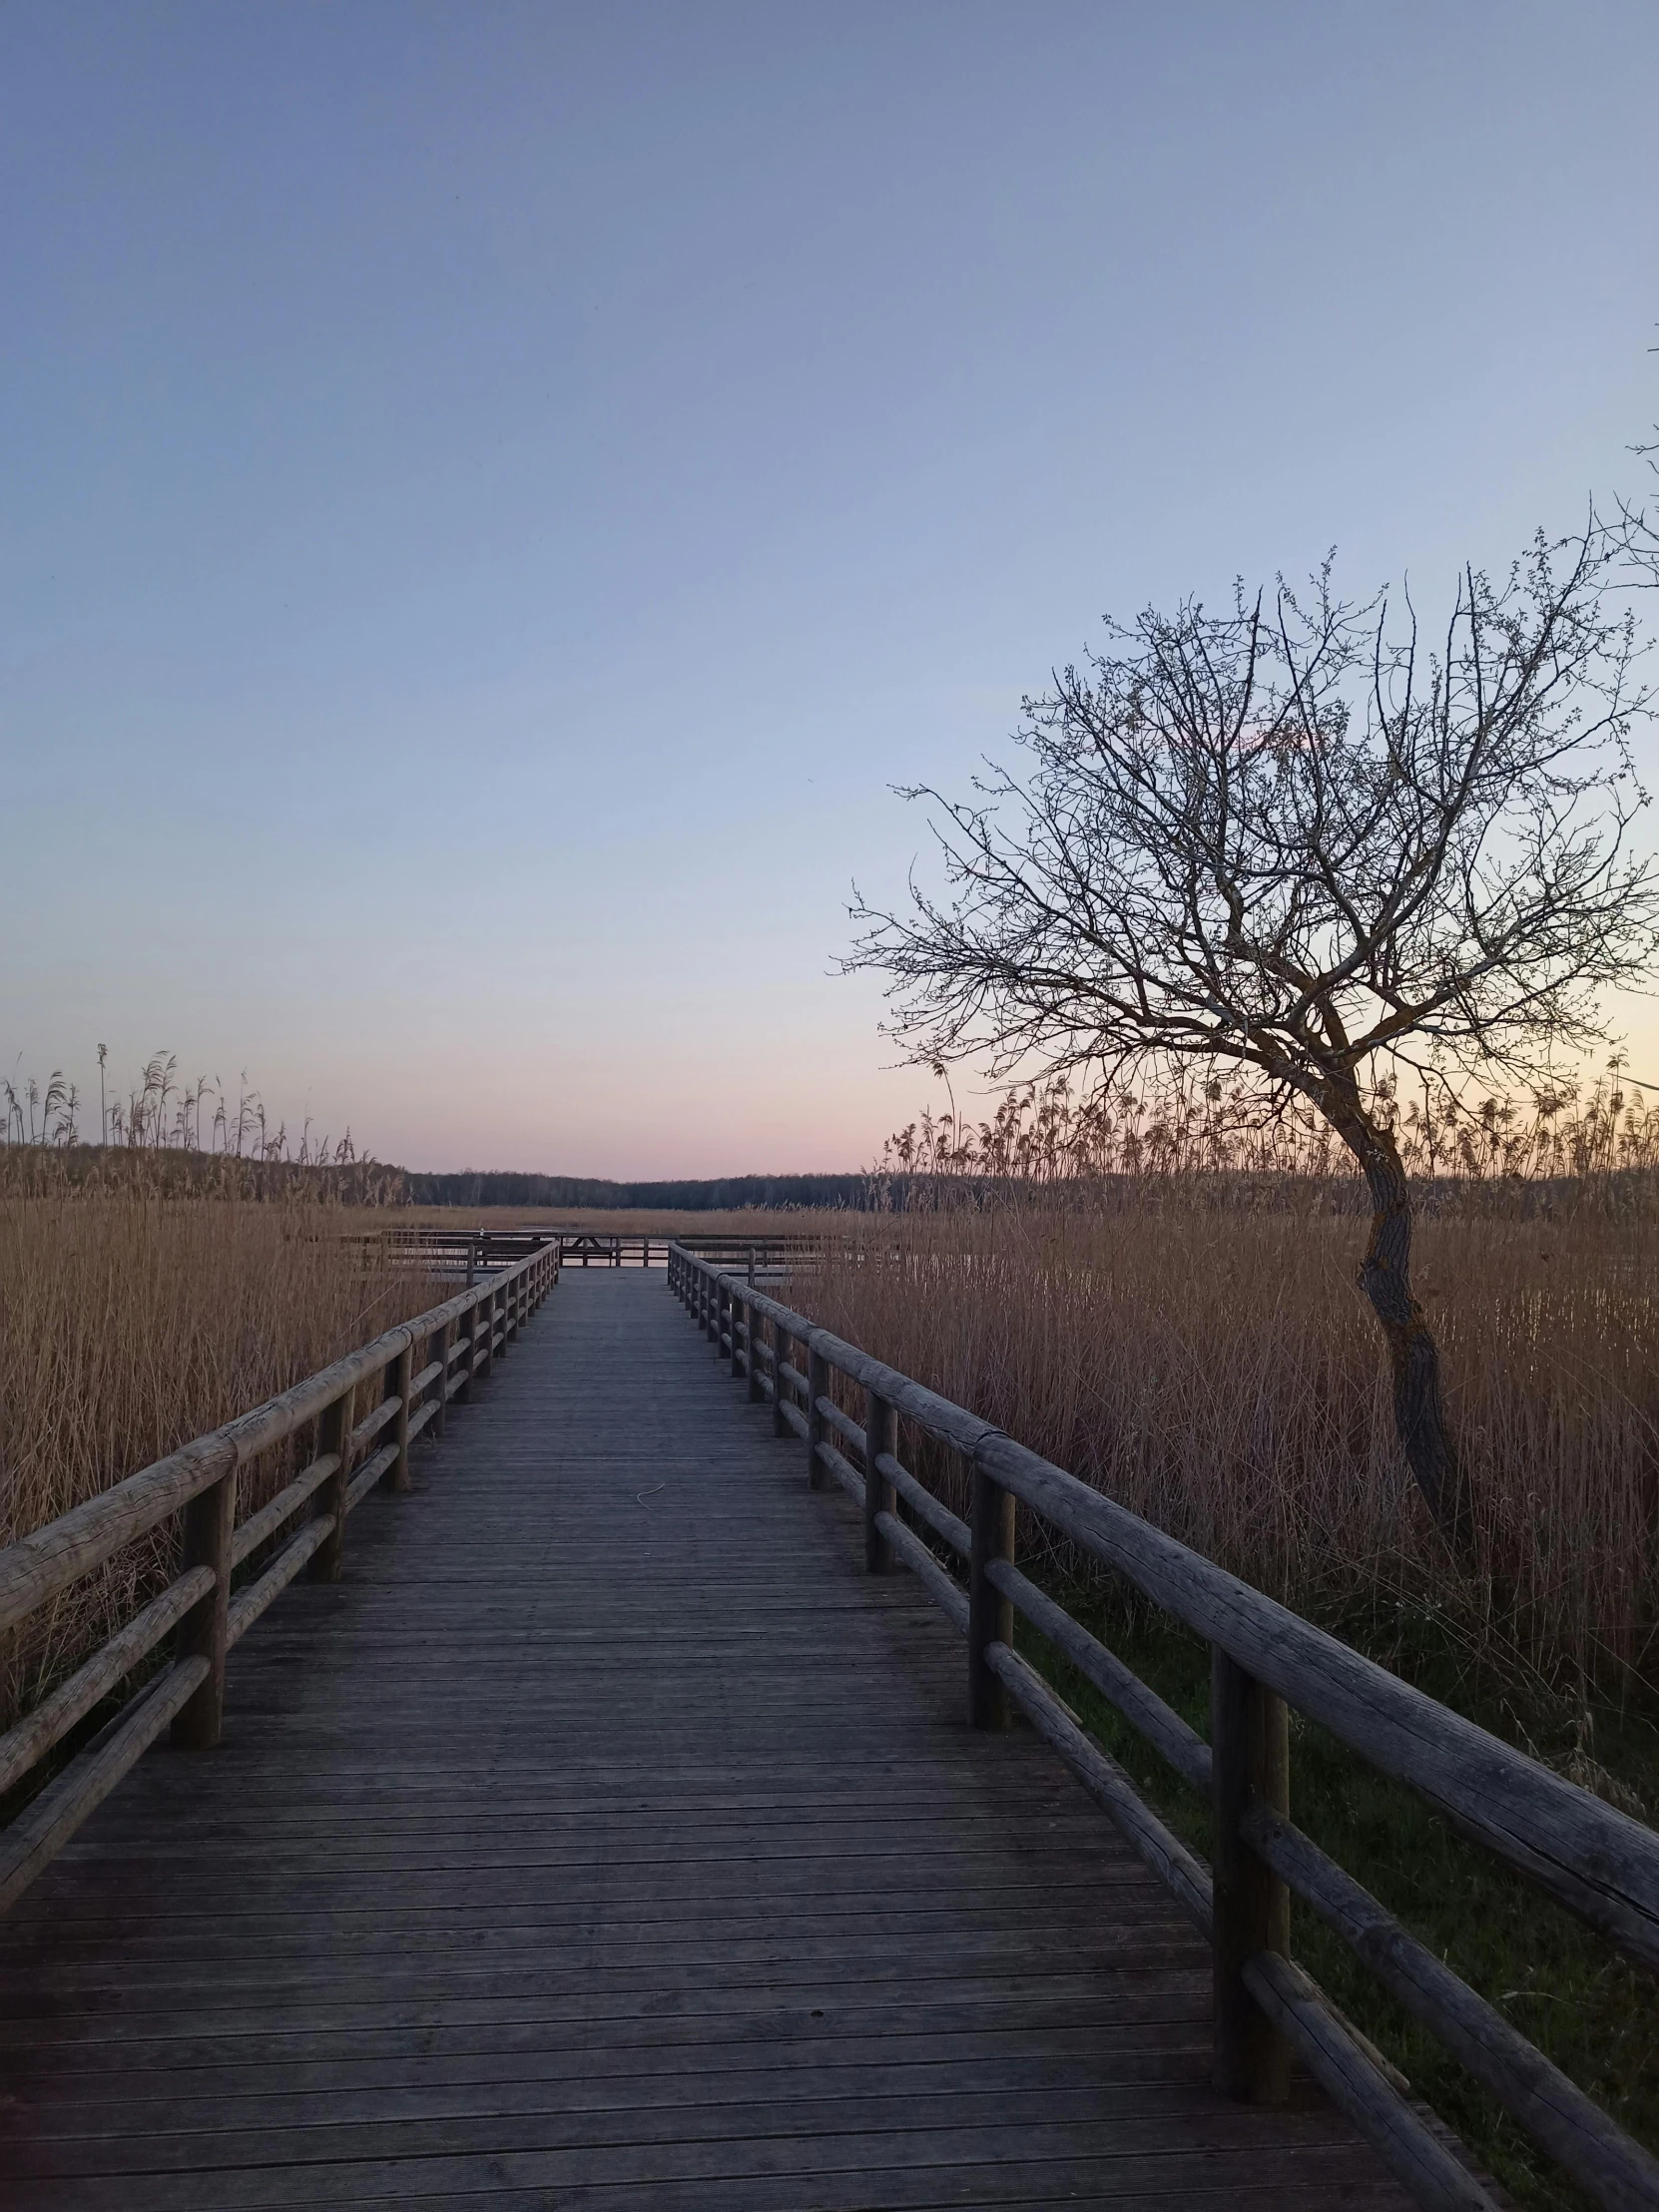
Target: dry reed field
(1217, 1369)
(133, 1323)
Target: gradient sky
(494, 494)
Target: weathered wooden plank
(916, 2166)
(1147, 2116)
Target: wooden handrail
(200, 1481)
(1591, 1858)
(46, 1560)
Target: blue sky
(495, 494)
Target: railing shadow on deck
(1596, 1861)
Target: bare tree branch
(1281, 838)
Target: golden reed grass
(1218, 1372)
(132, 1324)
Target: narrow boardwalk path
(608, 1838)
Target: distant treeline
(177, 1172)
(725, 1194)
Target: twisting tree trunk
(1414, 1358)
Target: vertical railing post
(399, 1372)
(1250, 1757)
(438, 1349)
(205, 1632)
(463, 1395)
(739, 1317)
(881, 1437)
(333, 1434)
(817, 1385)
(484, 1325)
(991, 1614)
(751, 1350)
(721, 1303)
(782, 1347)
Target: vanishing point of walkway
(608, 1838)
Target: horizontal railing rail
(1594, 1859)
(480, 1249)
(420, 1369)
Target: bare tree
(1296, 839)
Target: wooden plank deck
(609, 1836)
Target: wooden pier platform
(608, 1837)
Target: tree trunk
(1413, 1359)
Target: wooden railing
(422, 1366)
(476, 1250)
(1597, 1861)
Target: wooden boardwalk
(608, 1837)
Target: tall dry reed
(1219, 1372)
(132, 1324)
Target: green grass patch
(1560, 1984)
